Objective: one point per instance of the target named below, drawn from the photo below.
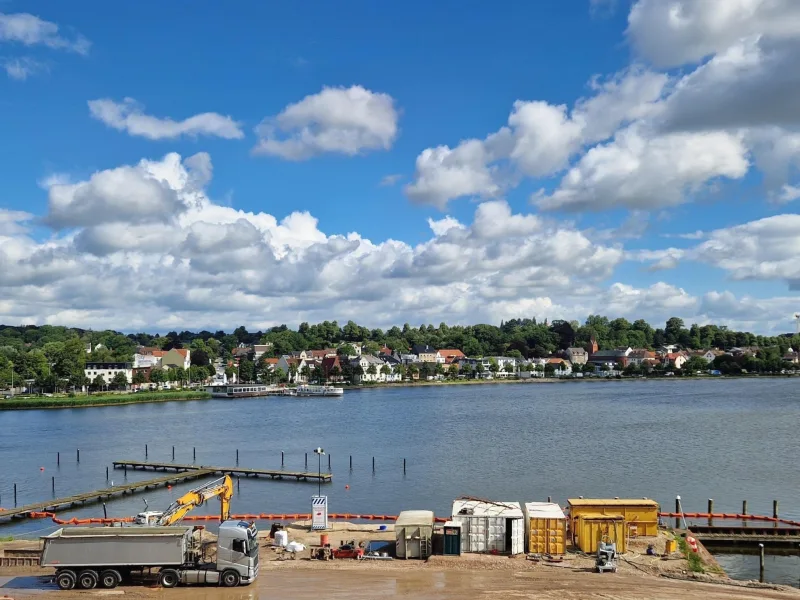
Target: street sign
(319, 512)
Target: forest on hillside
(47, 352)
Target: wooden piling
(744, 507)
(373, 464)
(677, 512)
(351, 462)
(105, 512)
(306, 461)
(774, 509)
(53, 483)
(237, 457)
(281, 458)
(404, 466)
(58, 458)
(329, 463)
(710, 511)
(106, 472)
(173, 453)
(761, 563)
(238, 483)
(145, 450)
(549, 498)
(79, 454)
(194, 454)
(15, 495)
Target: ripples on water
(724, 439)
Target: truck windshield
(252, 541)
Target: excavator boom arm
(223, 488)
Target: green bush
(100, 400)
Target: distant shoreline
(97, 400)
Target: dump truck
(88, 557)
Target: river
(724, 439)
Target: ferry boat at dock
(319, 390)
(240, 390)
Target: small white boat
(319, 390)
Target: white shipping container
(485, 525)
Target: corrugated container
(452, 539)
(414, 533)
(484, 526)
(547, 528)
(640, 514)
(590, 529)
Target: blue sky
(563, 124)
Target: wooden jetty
(240, 471)
(737, 535)
(60, 504)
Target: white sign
(319, 512)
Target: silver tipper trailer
(90, 556)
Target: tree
(438, 369)
(386, 370)
(317, 374)
(335, 373)
(99, 382)
(139, 378)
(346, 350)
(493, 366)
(305, 371)
(280, 375)
(199, 357)
(292, 373)
(479, 369)
(120, 381)
(372, 370)
(357, 372)
(452, 371)
(400, 371)
(695, 363)
(508, 368)
(632, 369)
(157, 376)
(247, 370)
(412, 370)
(549, 370)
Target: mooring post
(281, 459)
(351, 462)
(53, 483)
(106, 472)
(404, 466)
(79, 455)
(306, 461)
(373, 464)
(237, 457)
(329, 463)
(194, 454)
(145, 450)
(173, 453)
(105, 512)
(710, 511)
(238, 483)
(744, 512)
(125, 470)
(15, 495)
(58, 458)
(774, 509)
(549, 498)
(677, 512)
(761, 563)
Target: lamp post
(319, 452)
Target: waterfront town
(60, 359)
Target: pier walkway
(737, 535)
(240, 471)
(60, 504)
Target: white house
(365, 361)
(144, 361)
(108, 371)
(501, 361)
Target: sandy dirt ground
(478, 577)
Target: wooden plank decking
(272, 474)
(60, 504)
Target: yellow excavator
(223, 488)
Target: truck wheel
(87, 579)
(66, 579)
(110, 579)
(230, 578)
(169, 578)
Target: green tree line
(48, 353)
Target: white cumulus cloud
(30, 30)
(129, 116)
(340, 120)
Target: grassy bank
(100, 400)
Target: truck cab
(237, 549)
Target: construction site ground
(470, 576)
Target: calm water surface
(724, 439)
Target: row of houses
(145, 360)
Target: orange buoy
(41, 468)
(347, 487)
(169, 487)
